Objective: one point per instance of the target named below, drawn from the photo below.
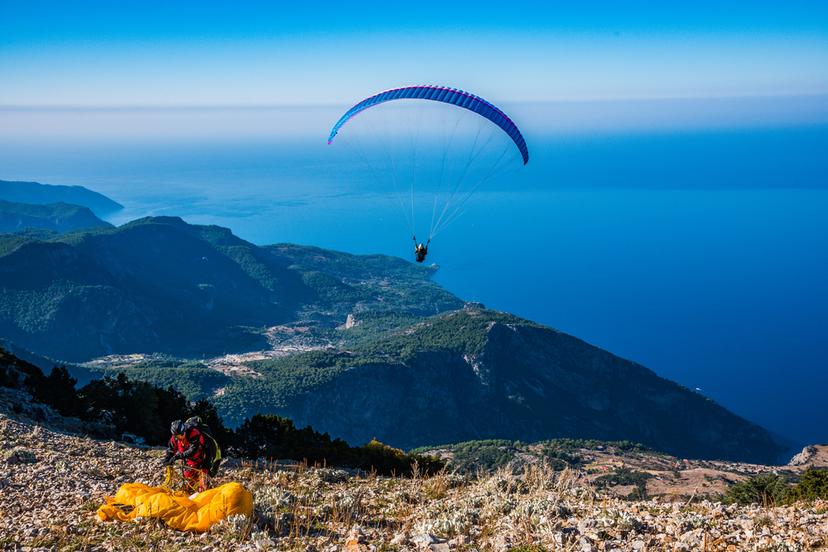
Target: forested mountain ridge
(476, 373)
(56, 217)
(159, 285)
(37, 193)
(356, 346)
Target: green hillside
(57, 217)
(159, 285)
(356, 346)
(474, 374)
(37, 193)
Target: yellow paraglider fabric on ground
(196, 514)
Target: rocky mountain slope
(467, 374)
(51, 483)
(475, 373)
(34, 192)
(55, 217)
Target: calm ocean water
(702, 254)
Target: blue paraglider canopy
(433, 156)
(442, 94)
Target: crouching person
(192, 442)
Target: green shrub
(559, 458)
(766, 489)
(624, 477)
(273, 437)
(812, 485)
(484, 455)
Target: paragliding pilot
(192, 442)
(420, 250)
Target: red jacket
(192, 448)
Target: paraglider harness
(420, 250)
(212, 451)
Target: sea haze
(689, 236)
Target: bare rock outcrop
(813, 455)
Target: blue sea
(697, 248)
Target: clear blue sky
(104, 53)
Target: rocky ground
(656, 474)
(52, 482)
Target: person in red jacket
(190, 445)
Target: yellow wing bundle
(196, 514)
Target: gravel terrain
(52, 482)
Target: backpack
(212, 451)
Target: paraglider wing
(196, 514)
(442, 94)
